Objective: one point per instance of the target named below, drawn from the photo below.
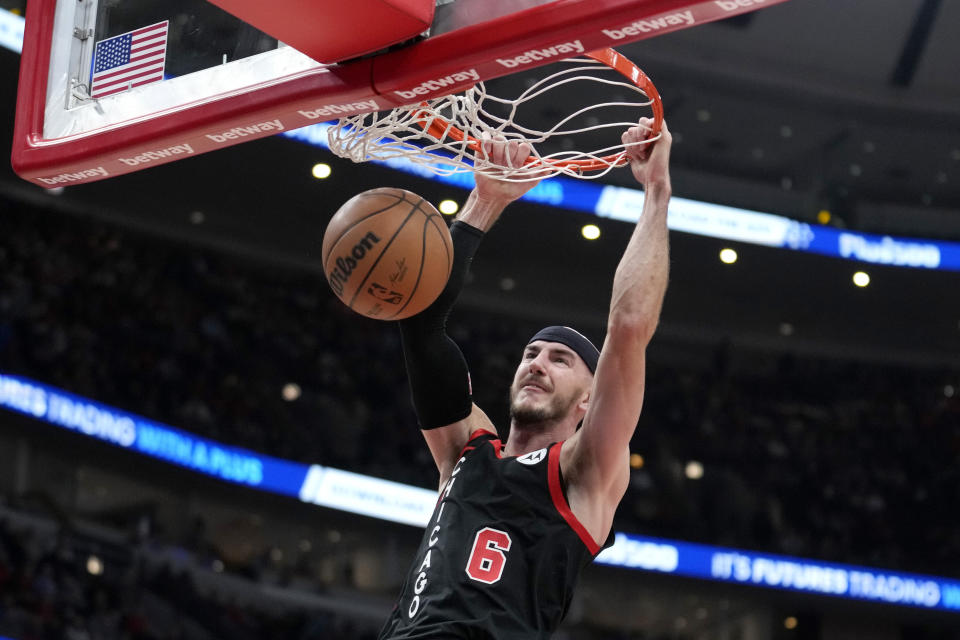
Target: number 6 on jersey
(488, 556)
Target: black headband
(573, 339)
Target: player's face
(549, 383)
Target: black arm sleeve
(439, 379)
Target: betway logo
(74, 177)
(889, 251)
(339, 109)
(680, 18)
(438, 84)
(159, 154)
(243, 132)
(736, 5)
(564, 50)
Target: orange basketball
(387, 254)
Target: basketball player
(515, 523)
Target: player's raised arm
(598, 457)
(438, 373)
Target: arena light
(94, 566)
(636, 461)
(790, 622)
(861, 279)
(11, 30)
(693, 470)
(590, 231)
(291, 391)
(448, 207)
(728, 256)
(321, 170)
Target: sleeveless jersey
(501, 554)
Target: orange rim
(439, 127)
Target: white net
(444, 134)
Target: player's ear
(584, 402)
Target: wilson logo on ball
(345, 265)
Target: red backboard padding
(436, 66)
(333, 31)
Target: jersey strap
(560, 501)
(480, 433)
(475, 439)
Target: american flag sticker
(129, 60)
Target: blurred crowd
(50, 591)
(839, 460)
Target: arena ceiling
(842, 105)
(851, 106)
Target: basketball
(387, 253)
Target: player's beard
(542, 412)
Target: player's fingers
(486, 142)
(665, 132)
(499, 150)
(505, 152)
(519, 152)
(632, 140)
(629, 137)
(663, 141)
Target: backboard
(113, 86)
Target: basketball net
(445, 135)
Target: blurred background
(788, 411)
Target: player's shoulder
(578, 464)
(477, 427)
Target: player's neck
(525, 438)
